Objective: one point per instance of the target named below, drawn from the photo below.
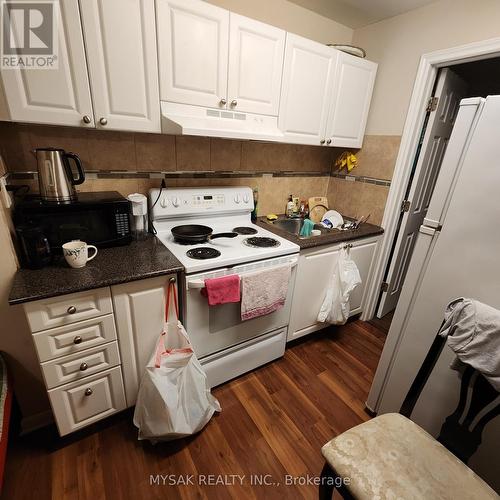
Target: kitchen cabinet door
(139, 312)
(362, 254)
(193, 38)
(58, 96)
(352, 94)
(256, 52)
(306, 90)
(314, 272)
(122, 60)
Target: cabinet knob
(88, 391)
(77, 340)
(86, 119)
(329, 141)
(234, 102)
(322, 141)
(223, 102)
(103, 121)
(71, 310)
(172, 280)
(83, 367)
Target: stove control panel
(191, 201)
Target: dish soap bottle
(290, 207)
(255, 200)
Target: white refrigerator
(457, 254)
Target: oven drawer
(67, 309)
(77, 366)
(74, 338)
(84, 402)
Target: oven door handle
(201, 283)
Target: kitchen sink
(292, 226)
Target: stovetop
(223, 209)
(232, 250)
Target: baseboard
(36, 421)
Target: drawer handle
(71, 310)
(88, 391)
(83, 366)
(77, 340)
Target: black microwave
(101, 219)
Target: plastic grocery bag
(335, 308)
(174, 398)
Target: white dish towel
(264, 292)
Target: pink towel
(222, 290)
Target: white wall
(290, 17)
(397, 44)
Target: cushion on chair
(391, 457)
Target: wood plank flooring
(271, 429)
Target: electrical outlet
(7, 200)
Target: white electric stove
(225, 345)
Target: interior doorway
(452, 83)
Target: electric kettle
(55, 175)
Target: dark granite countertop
(139, 260)
(327, 237)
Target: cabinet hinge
(384, 286)
(432, 104)
(405, 206)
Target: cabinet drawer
(67, 309)
(76, 366)
(74, 338)
(84, 402)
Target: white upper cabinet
(256, 52)
(306, 91)
(59, 96)
(121, 54)
(352, 93)
(193, 39)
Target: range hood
(183, 119)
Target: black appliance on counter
(101, 219)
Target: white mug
(76, 253)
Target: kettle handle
(78, 163)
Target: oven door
(213, 329)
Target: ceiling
(359, 13)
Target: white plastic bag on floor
(335, 308)
(174, 398)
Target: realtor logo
(29, 34)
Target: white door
(60, 96)
(193, 38)
(306, 90)
(140, 312)
(314, 272)
(362, 255)
(121, 53)
(256, 52)
(352, 94)
(450, 89)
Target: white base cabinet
(314, 272)
(140, 314)
(92, 369)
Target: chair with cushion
(392, 457)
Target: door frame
(428, 68)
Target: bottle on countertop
(296, 205)
(289, 207)
(255, 201)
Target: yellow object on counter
(271, 217)
(346, 160)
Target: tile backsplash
(139, 152)
(134, 162)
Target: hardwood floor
(271, 428)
